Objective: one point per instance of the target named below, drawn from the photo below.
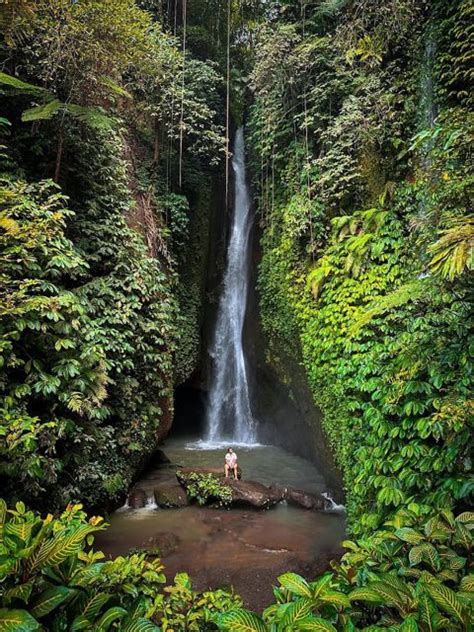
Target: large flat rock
(253, 494)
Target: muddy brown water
(240, 548)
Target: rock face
(170, 494)
(137, 499)
(253, 494)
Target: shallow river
(243, 548)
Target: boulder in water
(252, 494)
(170, 494)
(137, 499)
(303, 499)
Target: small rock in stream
(303, 499)
(170, 494)
(137, 499)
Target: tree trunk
(59, 154)
(156, 145)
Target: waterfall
(229, 416)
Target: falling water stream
(229, 416)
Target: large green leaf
(415, 555)
(80, 623)
(140, 625)
(21, 592)
(335, 598)
(53, 552)
(396, 582)
(296, 611)
(409, 535)
(112, 614)
(49, 600)
(94, 605)
(17, 621)
(320, 585)
(467, 517)
(427, 612)
(409, 625)
(21, 530)
(467, 583)
(295, 584)
(446, 600)
(389, 594)
(94, 117)
(365, 594)
(241, 621)
(3, 511)
(41, 112)
(18, 84)
(316, 624)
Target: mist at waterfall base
(229, 416)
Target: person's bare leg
(226, 470)
(236, 476)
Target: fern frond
(413, 291)
(453, 253)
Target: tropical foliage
(110, 109)
(51, 579)
(114, 178)
(206, 488)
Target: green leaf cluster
(206, 488)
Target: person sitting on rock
(230, 463)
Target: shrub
(206, 488)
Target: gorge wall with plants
(361, 129)
(111, 141)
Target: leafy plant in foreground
(52, 579)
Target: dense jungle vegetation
(114, 126)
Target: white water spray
(229, 416)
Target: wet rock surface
(170, 494)
(252, 493)
(137, 499)
(168, 489)
(305, 500)
(255, 494)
